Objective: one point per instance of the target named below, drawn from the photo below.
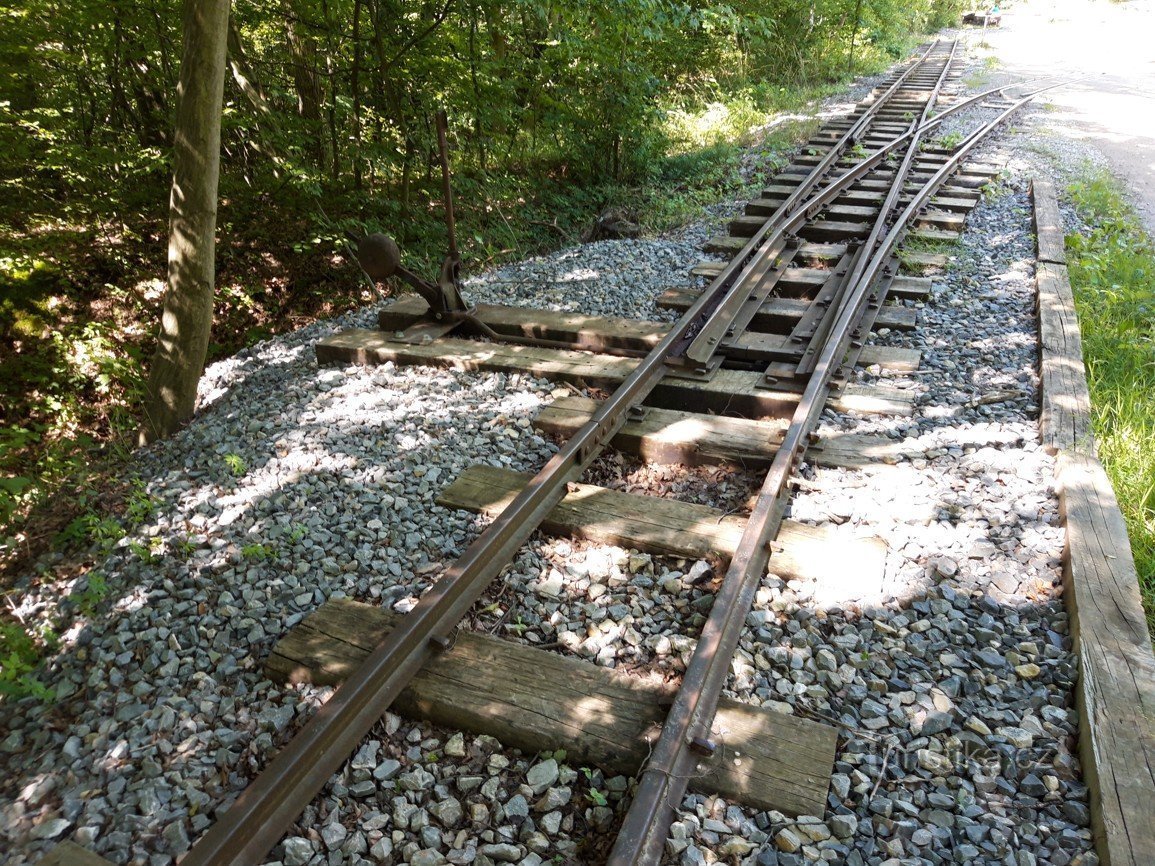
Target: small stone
(1077, 813)
(787, 840)
(542, 775)
(297, 851)
(455, 746)
(551, 823)
(843, 826)
(978, 726)
(939, 818)
(517, 807)
(51, 828)
(946, 567)
(382, 849)
(992, 658)
(922, 837)
(366, 757)
(1017, 737)
(1028, 671)
(935, 723)
(826, 660)
(501, 852)
(554, 798)
(333, 835)
(551, 587)
(386, 770)
(815, 831)
(448, 812)
(736, 846)
(417, 780)
(427, 857)
(934, 762)
(465, 784)
(177, 838)
(840, 784)
(1032, 786)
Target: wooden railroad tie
(671, 527)
(536, 700)
(694, 439)
(734, 392)
(606, 333)
(782, 313)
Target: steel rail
(257, 819)
(755, 257)
(723, 315)
(685, 735)
(881, 223)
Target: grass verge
(1112, 269)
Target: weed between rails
(1112, 271)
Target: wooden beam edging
(1116, 688)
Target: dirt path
(1113, 107)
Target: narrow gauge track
(877, 150)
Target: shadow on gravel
(150, 717)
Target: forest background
(560, 112)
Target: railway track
(769, 342)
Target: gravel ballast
(950, 681)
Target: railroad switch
(380, 258)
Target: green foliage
(949, 141)
(258, 551)
(95, 591)
(236, 464)
(20, 653)
(102, 531)
(594, 795)
(1113, 275)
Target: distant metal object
(446, 187)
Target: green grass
(1113, 274)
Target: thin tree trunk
(303, 64)
(355, 84)
(853, 33)
(243, 75)
(188, 303)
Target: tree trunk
(306, 81)
(188, 302)
(355, 86)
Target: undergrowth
(1113, 275)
